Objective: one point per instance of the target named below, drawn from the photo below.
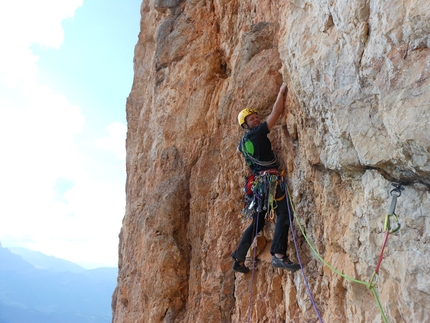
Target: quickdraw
(263, 194)
(395, 193)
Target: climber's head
(248, 118)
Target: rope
(254, 160)
(395, 193)
(253, 267)
(382, 251)
(268, 180)
(368, 285)
(299, 259)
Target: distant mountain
(104, 273)
(9, 261)
(53, 294)
(41, 261)
(11, 314)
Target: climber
(256, 148)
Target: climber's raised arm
(278, 107)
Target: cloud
(38, 130)
(27, 22)
(115, 142)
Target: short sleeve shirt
(257, 149)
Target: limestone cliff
(356, 119)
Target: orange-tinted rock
(357, 117)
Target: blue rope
(298, 255)
(253, 267)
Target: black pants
(280, 237)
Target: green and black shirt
(257, 149)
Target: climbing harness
(260, 190)
(395, 193)
(260, 193)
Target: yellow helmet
(243, 114)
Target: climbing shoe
(284, 263)
(240, 268)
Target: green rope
(371, 287)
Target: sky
(66, 70)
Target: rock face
(356, 119)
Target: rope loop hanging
(395, 193)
